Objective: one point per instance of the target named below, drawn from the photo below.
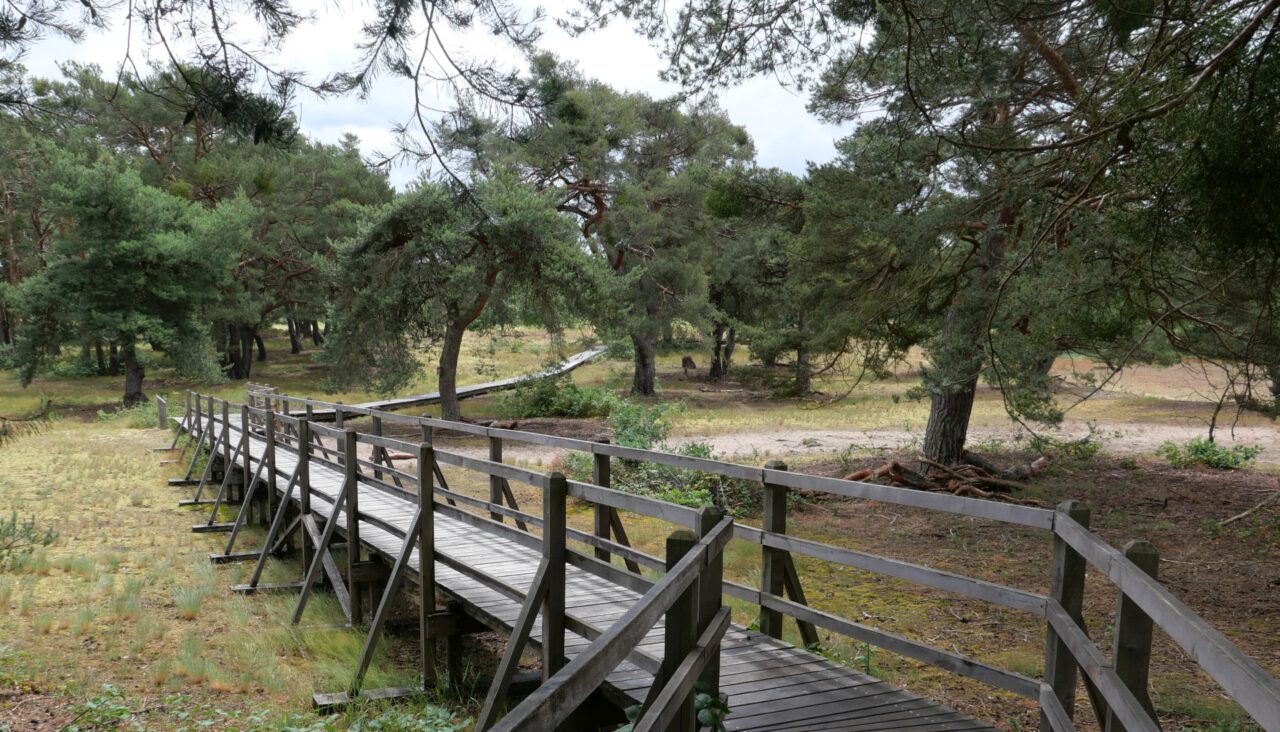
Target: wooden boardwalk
(617, 627)
(464, 392)
(770, 685)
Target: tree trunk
(957, 359)
(295, 336)
(133, 376)
(644, 379)
(447, 371)
(102, 360)
(262, 346)
(803, 372)
(239, 351)
(316, 338)
(729, 345)
(113, 363)
(246, 351)
(948, 426)
(717, 347)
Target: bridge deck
(770, 685)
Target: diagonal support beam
(330, 566)
(520, 633)
(320, 544)
(388, 596)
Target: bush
(8, 356)
(1200, 451)
(140, 416)
(1080, 451)
(19, 538)
(556, 397)
(639, 425)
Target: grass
(127, 596)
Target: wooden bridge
(617, 627)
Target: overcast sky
(785, 134)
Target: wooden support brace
(320, 545)
(515, 648)
(620, 533)
(791, 583)
(388, 596)
(273, 531)
(511, 501)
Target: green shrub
(8, 356)
(641, 426)
(556, 397)
(1200, 451)
(20, 537)
(140, 416)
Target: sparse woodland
(1026, 186)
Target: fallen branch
(1266, 502)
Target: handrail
(1003, 512)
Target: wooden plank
(217, 528)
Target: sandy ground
(1120, 438)
(1134, 439)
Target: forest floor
(126, 597)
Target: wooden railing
(1117, 687)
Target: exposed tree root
(972, 479)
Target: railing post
(602, 475)
(772, 571)
(226, 442)
(681, 634)
(353, 524)
(186, 412)
(427, 564)
(1066, 586)
(270, 456)
(495, 482)
(304, 485)
(246, 473)
(379, 453)
(162, 412)
(1132, 656)
(339, 419)
(710, 589)
(553, 546)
